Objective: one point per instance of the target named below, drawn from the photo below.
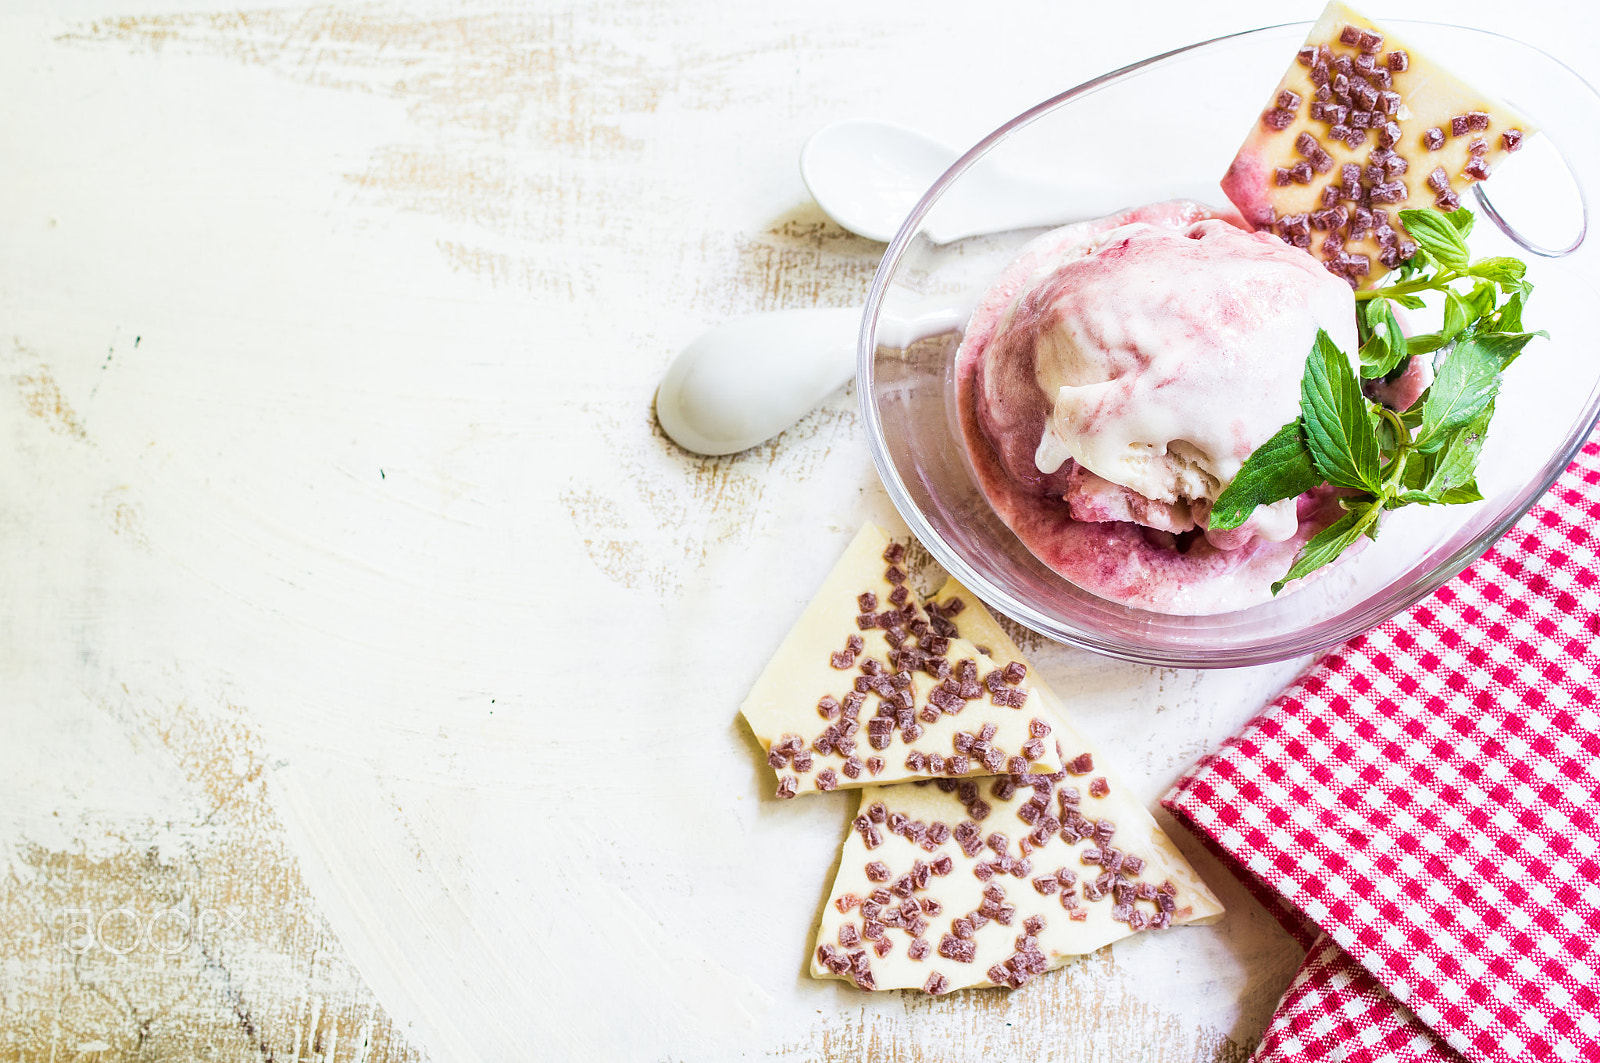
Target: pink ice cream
(1117, 376)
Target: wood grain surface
(369, 661)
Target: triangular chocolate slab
(865, 689)
(1362, 126)
(963, 883)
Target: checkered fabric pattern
(1428, 796)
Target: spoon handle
(1001, 203)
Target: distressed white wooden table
(368, 661)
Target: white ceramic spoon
(745, 381)
(867, 175)
(748, 379)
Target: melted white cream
(1172, 355)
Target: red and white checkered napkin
(1423, 808)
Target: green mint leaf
(1414, 478)
(1388, 347)
(1456, 464)
(1329, 543)
(1439, 236)
(1481, 301)
(1506, 346)
(1424, 343)
(1507, 272)
(1279, 468)
(1456, 316)
(1467, 492)
(1510, 317)
(1462, 219)
(1409, 301)
(1340, 430)
(1467, 383)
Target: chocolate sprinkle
(1390, 192)
(1277, 120)
(1433, 138)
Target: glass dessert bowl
(1174, 123)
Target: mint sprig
(1385, 459)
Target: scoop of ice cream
(1156, 359)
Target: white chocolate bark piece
(1363, 113)
(951, 884)
(1135, 823)
(1097, 868)
(863, 690)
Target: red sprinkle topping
(878, 871)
